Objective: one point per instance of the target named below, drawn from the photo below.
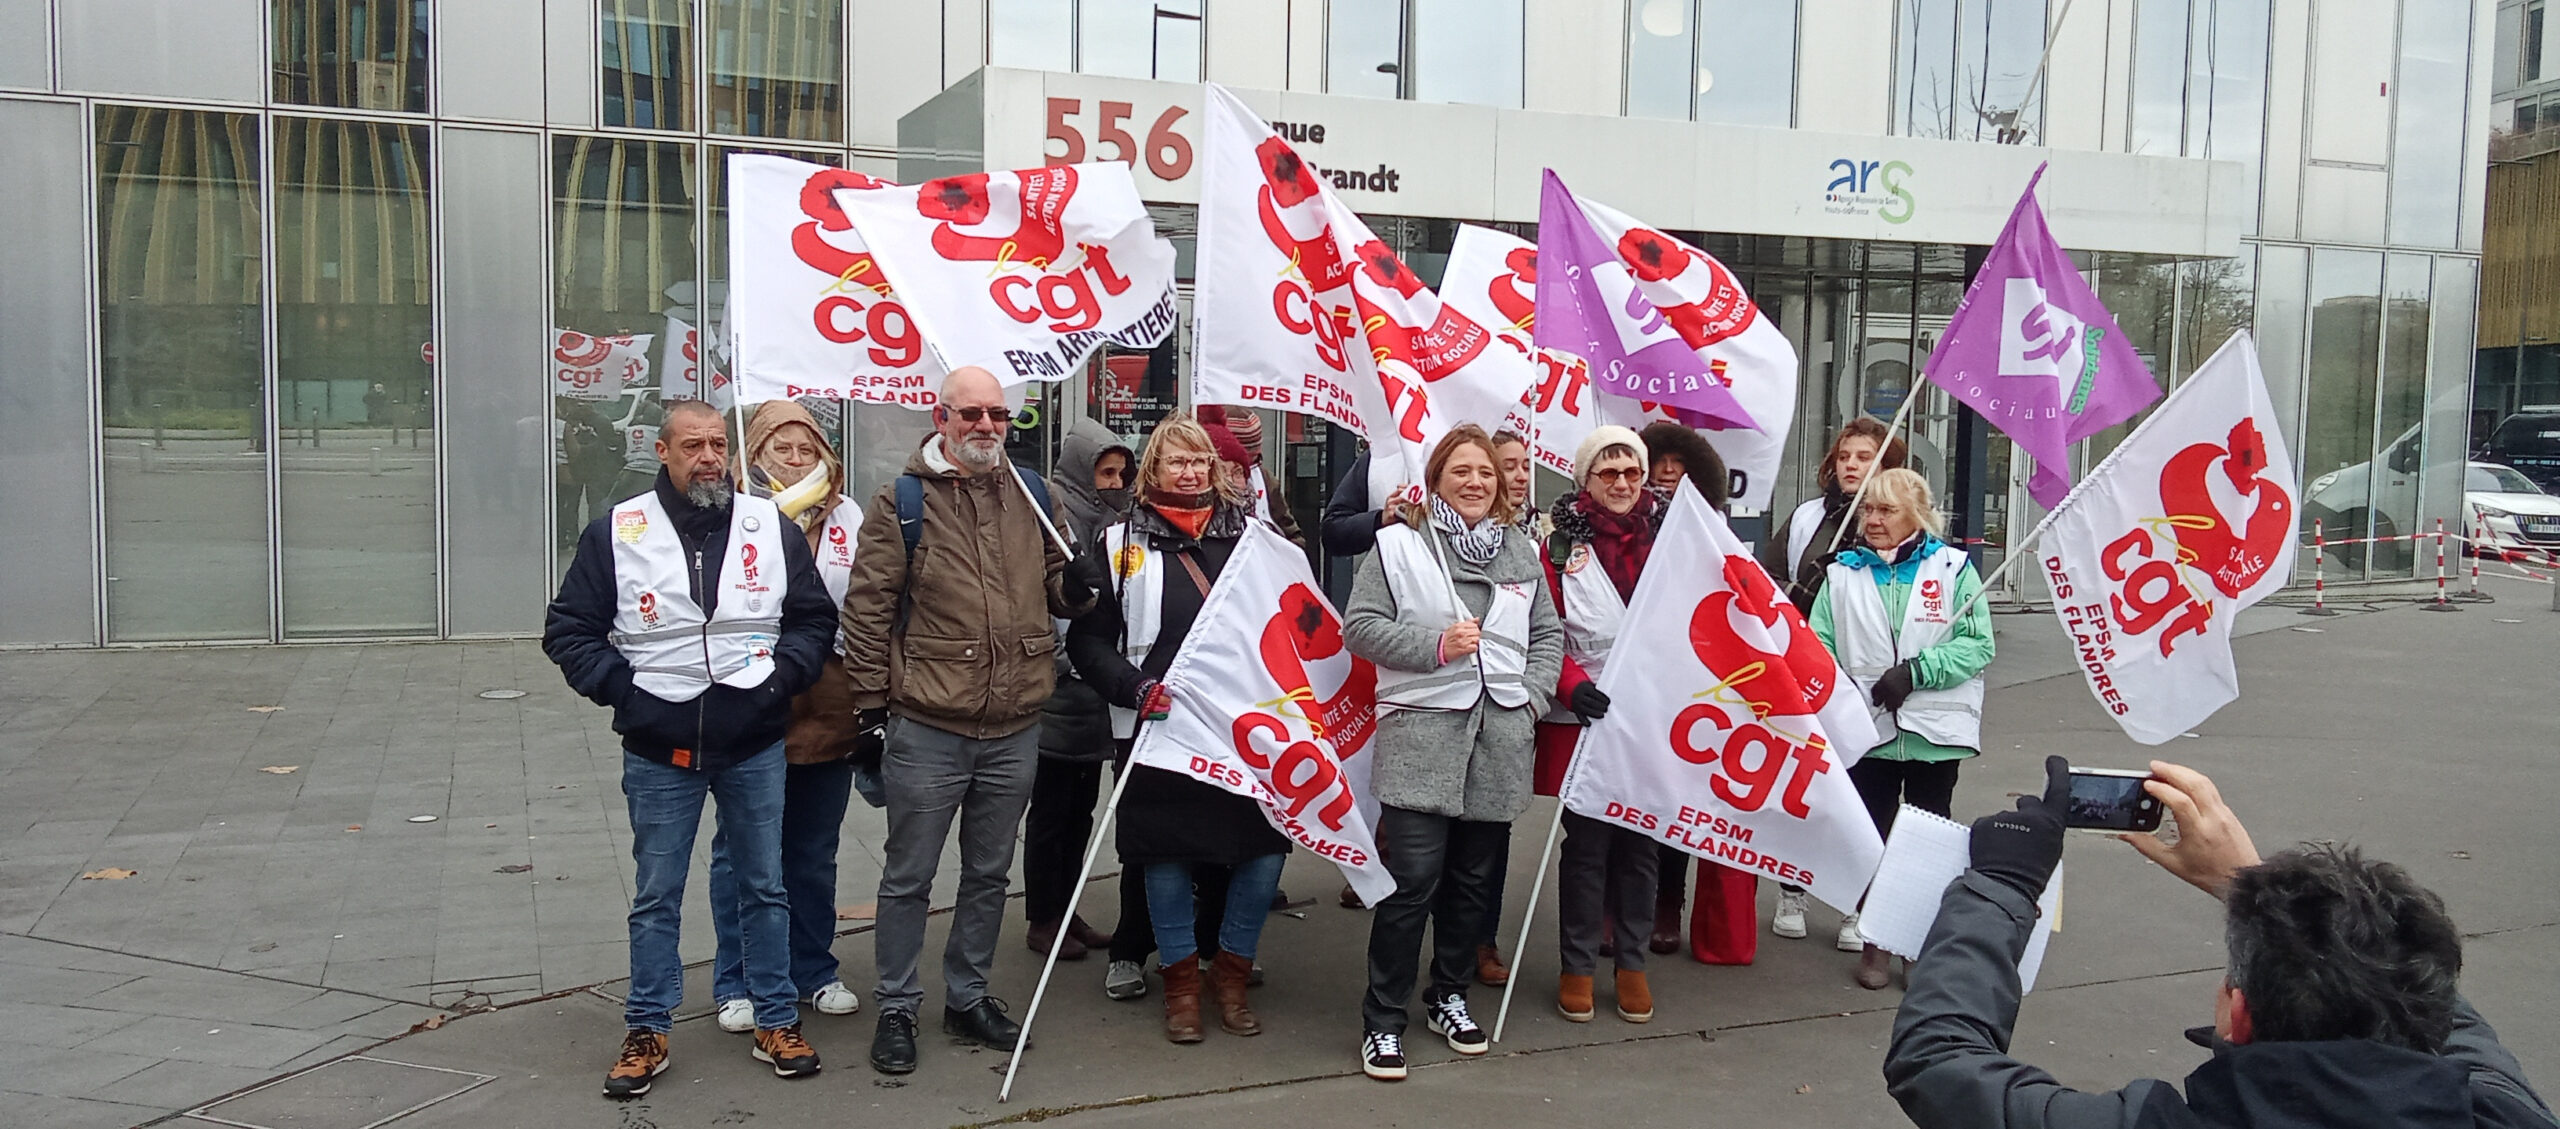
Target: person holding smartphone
(1890, 613)
(2340, 1005)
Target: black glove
(1892, 689)
(2019, 849)
(1083, 576)
(870, 738)
(1588, 701)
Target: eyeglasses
(1619, 474)
(973, 415)
(1189, 462)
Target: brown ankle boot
(1182, 1000)
(1573, 996)
(1227, 981)
(1635, 996)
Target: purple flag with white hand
(1588, 304)
(2032, 350)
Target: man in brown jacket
(955, 647)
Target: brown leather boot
(1227, 981)
(1666, 925)
(1635, 996)
(1573, 996)
(1182, 1000)
(1490, 971)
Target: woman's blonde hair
(1180, 430)
(1904, 487)
(1505, 507)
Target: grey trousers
(933, 775)
(1603, 871)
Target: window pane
(354, 313)
(2337, 439)
(2218, 300)
(1140, 39)
(1747, 62)
(2502, 54)
(2530, 69)
(48, 571)
(181, 350)
(1467, 51)
(496, 315)
(2449, 387)
(1660, 35)
(777, 68)
(1362, 36)
(1999, 44)
(1037, 34)
(2399, 453)
(2159, 77)
(623, 263)
(646, 52)
(352, 54)
(2226, 118)
(2282, 275)
(1924, 82)
(2426, 147)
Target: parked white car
(2511, 517)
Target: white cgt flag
(810, 311)
(1492, 276)
(2157, 550)
(1740, 342)
(1268, 703)
(1727, 739)
(1023, 273)
(585, 367)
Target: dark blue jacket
(724, 724)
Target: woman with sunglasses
(1467, 654)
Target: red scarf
(1621, 541)
(1187, 512)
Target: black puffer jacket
(1165, 817)
(1075, 725)
(724, 724)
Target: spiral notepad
(1925, 852)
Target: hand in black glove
(1588, 701)
(870, 738)
(1892, 689)
(2019, 849)
(1083, 576)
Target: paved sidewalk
(259, 935)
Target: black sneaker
(1382, 1056)
(893, 1044)
(1449, 1020)
(983, 1023)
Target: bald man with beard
(952, 650)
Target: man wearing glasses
(948, 638)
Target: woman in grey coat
(1451, 608)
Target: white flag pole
(1529, 913)
(1850, 517)
(1075, 894)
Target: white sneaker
(836, 999)
(1124, 980)
(1789, 920)
(737, 1017)
(1849, 940)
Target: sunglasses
(1619, 474)
(973, 415)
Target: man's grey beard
(978, 453)
(712, 495)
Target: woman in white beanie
(1606, 875)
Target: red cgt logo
(1301, 771)
(1040, 206)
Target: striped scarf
(1474, 544)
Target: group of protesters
(977, 644)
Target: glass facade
(1730, 61)
(313, 387)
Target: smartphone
(2111, 799)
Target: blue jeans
(666, 808)
(814, 798)
(1249, 893)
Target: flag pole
(1075, 894)
(1529, 913)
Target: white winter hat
(1601, 439)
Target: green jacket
(1963, 655)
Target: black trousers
(1055, 833)
(1606, 874)
(1445, 870)
(1885, 785)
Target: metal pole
(1529, 913)
(2441, 604)
(1075, 894)
(2319, 571)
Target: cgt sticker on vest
(1933, 600)
(1132, 559)
(1578, 559)
(629, 526)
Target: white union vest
(1424, 599)
(835, 553)
(675, 653)
(1593, 614)
(1869, 646)
(1138, 570)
